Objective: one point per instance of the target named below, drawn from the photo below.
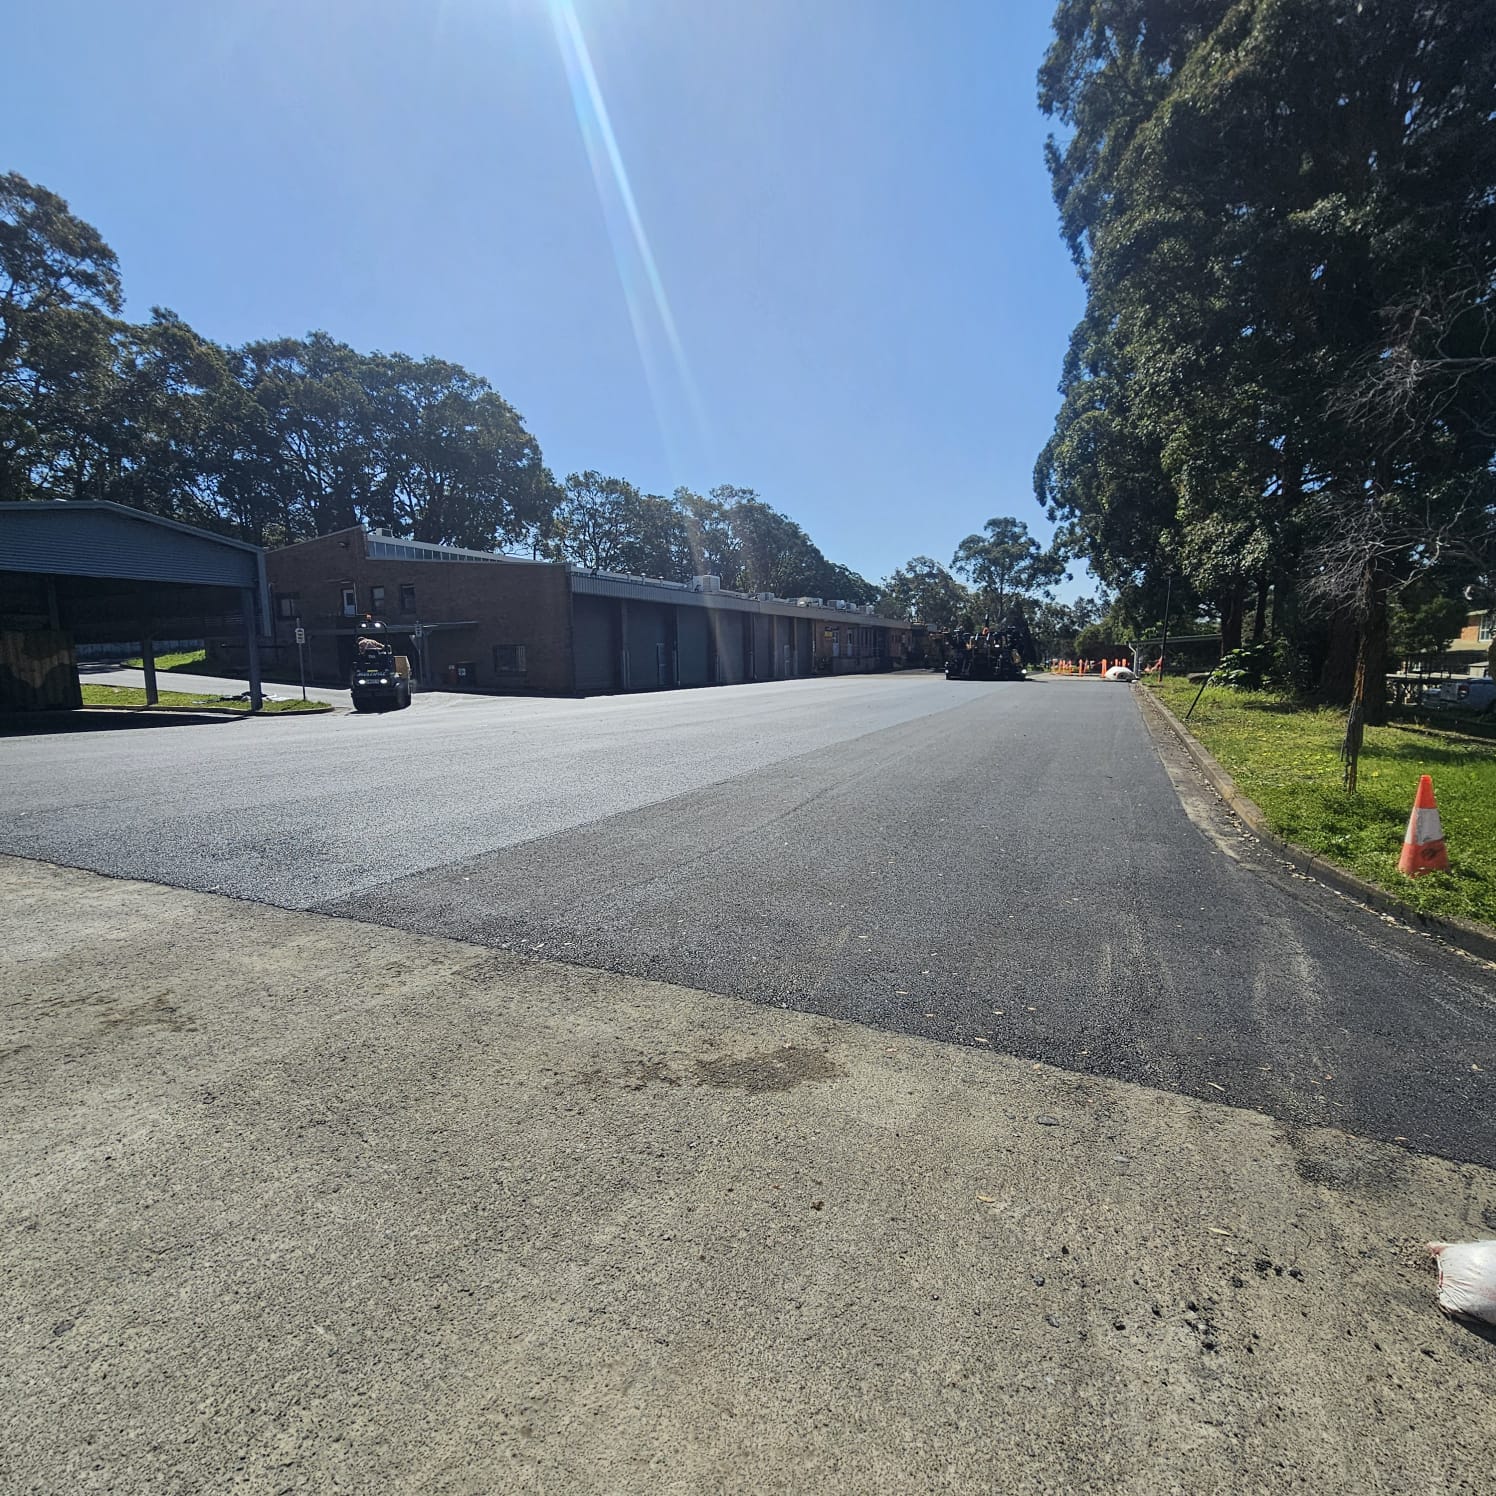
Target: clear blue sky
(834, 275)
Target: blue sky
(805, 246)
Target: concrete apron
(294, 1202)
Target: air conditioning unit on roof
(764, 597)
(706, 584)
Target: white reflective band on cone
(1423, 826)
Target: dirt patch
(158, 1012)
(1380, 1175)
(773, 1070)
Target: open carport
(95, 572)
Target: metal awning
(105, 572)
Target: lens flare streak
(615, 193)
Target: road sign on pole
(300, 657)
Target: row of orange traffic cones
(1087, 667)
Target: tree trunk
(1338, 678)
(1369, 691)
(1287, 628)
(1259, 619)
(1233, 609)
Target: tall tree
(1005, 559)
(315, 431)
(171, 427)
(923, 589)
(598, 521)
(777, 555)
(59, 295)
(455, 464)
(710, 543)
(1256, 193)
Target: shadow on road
(109, 719)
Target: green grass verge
(188, 662)
(168, 700)
(1286, 757)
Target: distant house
(1469, 652)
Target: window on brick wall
(287, 604)
(1487, 628)
(350, 602)
(509, 659)
(407, 597)
(376, 599)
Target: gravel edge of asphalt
(1460, 933)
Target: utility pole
(1163, 648)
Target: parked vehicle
(381, 678)
(1476, 694)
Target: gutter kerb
(1457, 932)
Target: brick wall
(511, 607)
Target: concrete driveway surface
(933, 1092)
(294, 1203)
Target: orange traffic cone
(1423, 846)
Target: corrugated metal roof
(99, 539)
(648, 589)
(109, 540)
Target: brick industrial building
(477, 621)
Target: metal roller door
(595, 642)
(692, 646)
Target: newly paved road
(1008, 867)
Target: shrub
(1247, 668)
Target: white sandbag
(1467, 1278)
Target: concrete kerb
(215, 713)
(1456, 932)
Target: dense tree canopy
(606, 524)
(923, 589)
(1284, 383)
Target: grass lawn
(1286, 757)
(135, 696)
(187, 661)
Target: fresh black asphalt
(1001, 866)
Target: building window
(350, 602)
(287, 604)
(509, 659)
(376, 599)
(1487, 625)
(407, 597)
